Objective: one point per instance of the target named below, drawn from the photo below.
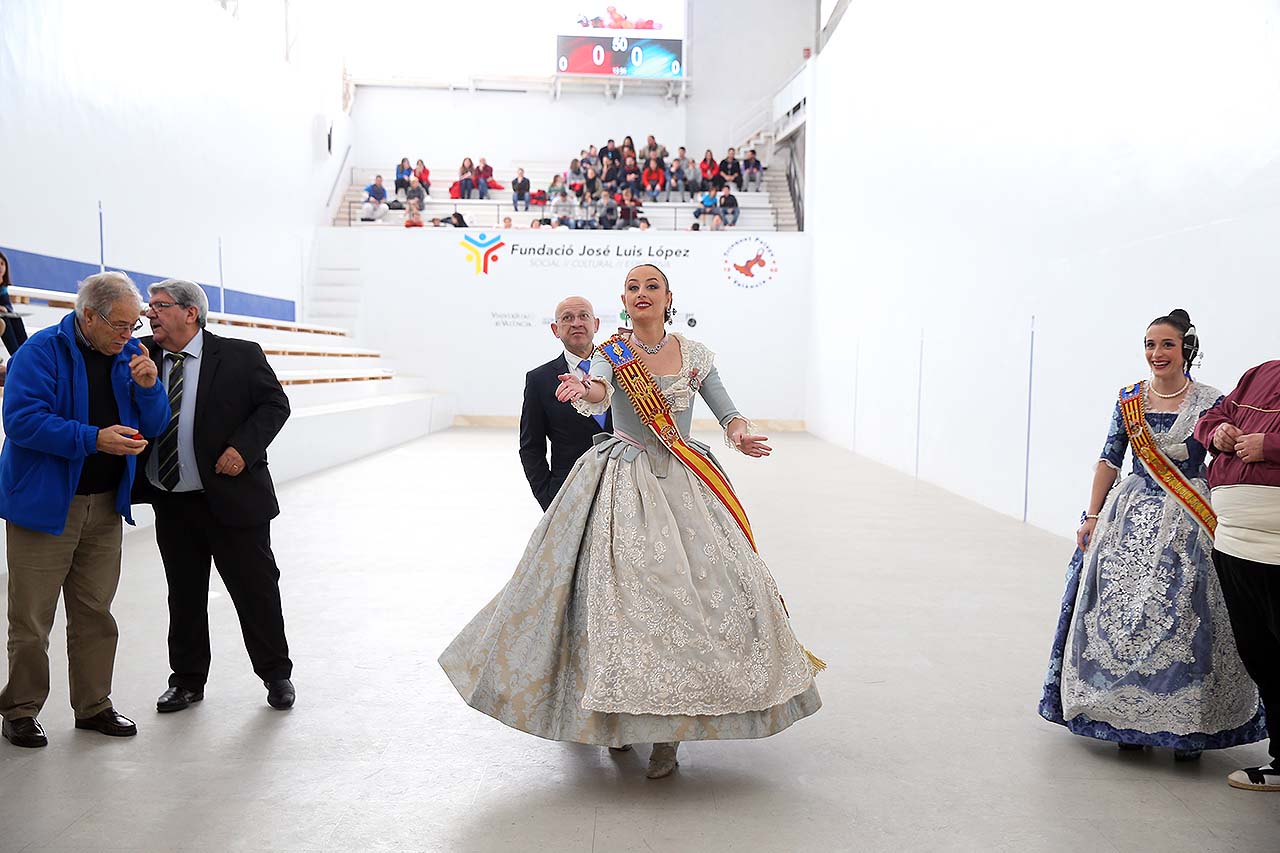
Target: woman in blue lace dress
(1143, 654)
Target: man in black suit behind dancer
(544, 418)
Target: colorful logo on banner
(750, 263)
(483, 251)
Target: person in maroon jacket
(1244, 432)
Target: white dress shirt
(189, 474)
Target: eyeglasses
(584, 317)
(121, 328)
(156, 307)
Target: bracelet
(1085, 516)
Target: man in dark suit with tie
(544, 418)
(214, 500)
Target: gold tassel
(816, 662)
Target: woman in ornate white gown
(640, 612)
(1144, 654)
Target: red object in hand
(136, 436)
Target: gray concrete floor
(934, 614)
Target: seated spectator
(628, 145)
(606, 211)
(584, 215)
(631, 176)
(556, 187)
(644, 224)
(611, 154)
(415, 196)
(708, 208)
(731, 170)
(375, 201)
(590, 184)
(506, 223)
(628, 209)
(457, 221)
(695, 227)
(717, 223)
(562, 210)
(484, 174)
(520, 191)
(536, 224)
(728, 204)
(588, 158)
(653, 179)
(611, 182)
(574, 177)
(15, 332)
(752, 171)
(466, 178)
(654, 150)
(413, 219)
(710, 172)
(423, 174)
(403, 173)
(437, 222)
(677, 172)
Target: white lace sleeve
(582, 407)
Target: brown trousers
(83, 565)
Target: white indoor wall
(740, 53)
(185, 122)
(1094, 165)
(506, 128)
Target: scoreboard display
(621, 56)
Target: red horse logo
(746, 268)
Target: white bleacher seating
(759, 210)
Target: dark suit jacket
(240, 404)
(544, 417)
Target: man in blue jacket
(79, 398)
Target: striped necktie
(585, 367)
(168, 469)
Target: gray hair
(187, 294)
(102, 291)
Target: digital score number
(621, 56)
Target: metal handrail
(795, 184)
(503, 208)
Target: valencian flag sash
(1133, 409)
(645, 395)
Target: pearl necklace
(652, 350)
(1178, 393)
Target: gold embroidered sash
(1133, 408)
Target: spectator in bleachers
(413, 219)
(708, 206)
(611, 153)
(466, 178)
(15, 333)
(644, 224)
(677, 173)
(588, 158)
(590, 184)
(717, 223)
(611, 181)
(520, 191)
(628, 143)
(562, 210)
(415, 197)
(574, 177)
(695, 227)
(655, 150)
(606, 211)
(375, 201)
(536, 224)
(631, 176)
(437, 222)
(484, 174)
(654, 179)
(752, 171)
(506, 223)
(584, 215)
(403, 173)
(556, 187)
(423, 174)
(628, 209)
(457, 221)
(728, 204)
(709, 169)
(731, 170)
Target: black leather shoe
(280, 694)
(110, 723)
(177, 698)
(24, 731)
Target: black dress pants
(189, 538)
(1252, 593)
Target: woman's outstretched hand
(751, 445)
(571, 388)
